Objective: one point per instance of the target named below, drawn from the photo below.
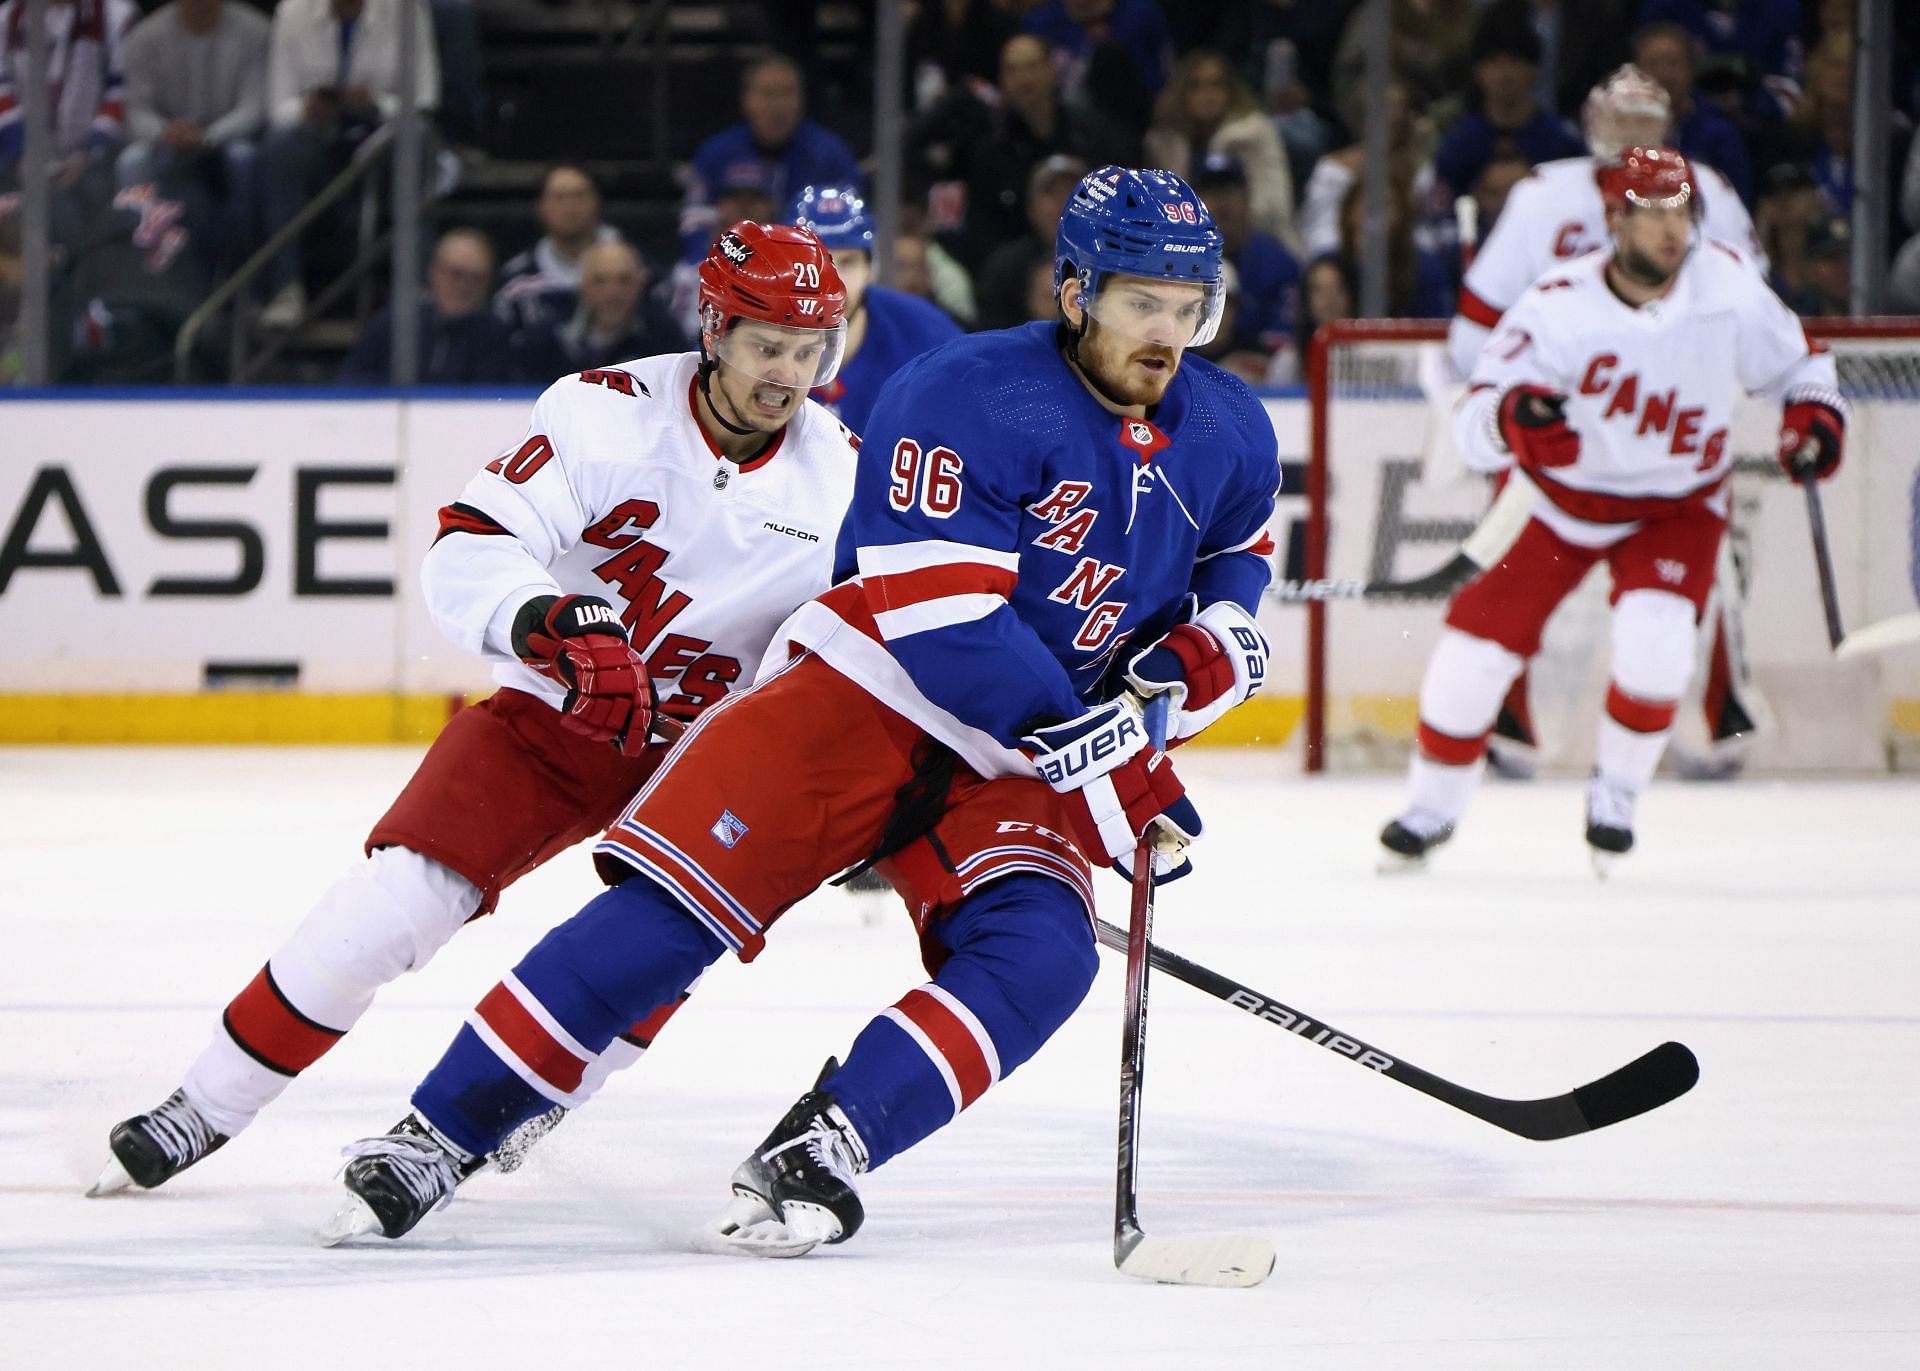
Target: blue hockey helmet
(1151, 224)
(836, 215)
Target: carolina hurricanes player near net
(657, 525)
(1611, 385)
(1552, 216)
(1061, 514)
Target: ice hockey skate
(151, 1149)
(796, 1189)
(1407, 840)
(1609, 824)
(396, 1180)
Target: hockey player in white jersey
(1551, 217)
(1556, 213)
(1611, 384)
(634, 554)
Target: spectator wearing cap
(613, 320)
(886, 328)
(1665, 52)
(1268, 275)
(1113, 54)
(1507, 119)
(1002, 288)
(974, 150)
(774, 142)
(461, 343)
(540, 287)
(1207, 109)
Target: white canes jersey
(617, 492)
(1650, 390)
(1552, 216)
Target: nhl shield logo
(1142, 434)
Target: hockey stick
(1823, 562)
(1483, 547)
(1216, 1259)
(1898, 631)
(1647, 1082)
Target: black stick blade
(1663, 1075)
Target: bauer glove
(1205, 666)
(1115, 784)
(578, 641)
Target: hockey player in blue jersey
(886, 328)
(1058, 519)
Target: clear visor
(798, 358)
(1174, 314)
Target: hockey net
(1387, 498)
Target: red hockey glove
(1207, 665)
(577, 640)
(1812, 437)
(1115, 784)
(1533, 424)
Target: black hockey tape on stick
(1823, 563)
(1659, 1077)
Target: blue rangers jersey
(1010, 540)
(899, 328)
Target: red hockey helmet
(1648, 178)
(782, 280)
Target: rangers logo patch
(734, 250)
(728, 829)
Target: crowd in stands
(184, 137)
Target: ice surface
(1769, 1219)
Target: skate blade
(749, 1227)
(112, 1181)
(354, 1220)
(1391, 863)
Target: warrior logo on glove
(577, 640)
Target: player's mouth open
(772, 399)
(1156, 365)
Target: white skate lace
(1609, 805)
(180, 1130)
(424, 1167)
(832, 1145)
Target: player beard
(759, 405)
(1640, 268)
(1138, 375)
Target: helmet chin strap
(1067, 338)
(707, 364)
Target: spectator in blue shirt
(1113, 55)
(1764, 32)
(461, 343)
(774, 138)
(1665, 52)
(1508, 120)
(1269, 274)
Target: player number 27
(930, 479)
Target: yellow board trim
(289, 717)
(224, 716)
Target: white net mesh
(1399, 502)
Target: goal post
(1387, 498)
